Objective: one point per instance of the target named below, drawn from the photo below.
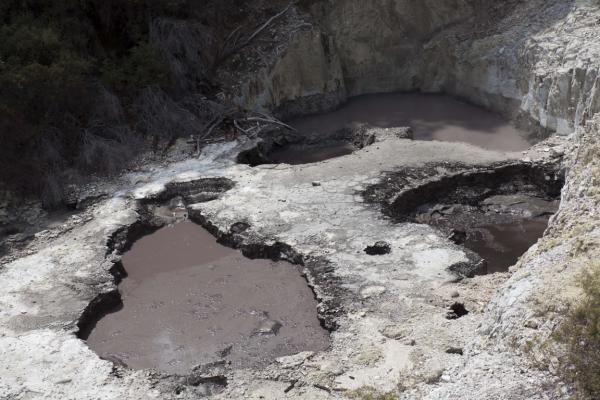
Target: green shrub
(370, 393)
(581, 335)
(142, 67)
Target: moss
(370, 393)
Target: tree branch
(236, 48)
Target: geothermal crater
(366, 230)
(188, 301)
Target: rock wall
(302, 75)
(533, 59)
(381, 42)
(540, 59)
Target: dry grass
(370, 393)
(580, 333)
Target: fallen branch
(272, 121)
(210, 127)
(244, 131)
(264, 26)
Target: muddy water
(501, 245)
(432, 117)
(296, 155)
(188, 301)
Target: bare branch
(244, 131)
(271, 120)
(211, 126)
(236, 48)
(265, 25)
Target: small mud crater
(302, 154)
(281, 147)
(495, 212)
(501, 245)
(188, 301)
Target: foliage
(52, 56)
(581, 335)
(140, 68)
(59, 58)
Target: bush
(142, 67)
(581, 335)
(51, 56)
(370, 393)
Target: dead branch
(238, 47)
(232, 34)
(271, 120)
(210, 127)
(238, 127)
(265, 25)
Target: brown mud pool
(189, 301)
(299, 154)
(501, 245)
(431, 117)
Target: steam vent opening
(188, 301)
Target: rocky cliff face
(533, 60)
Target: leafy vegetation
(140, 68)
(370, 393)
(53, 54)
(83, 82)
(581, 335)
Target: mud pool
(431, 117)
(298, 154)
(189, 301)
(501, 245)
